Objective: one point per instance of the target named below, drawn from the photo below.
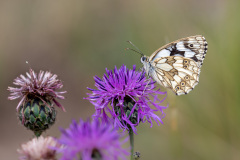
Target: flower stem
(131, 142)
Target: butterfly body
(177, 64)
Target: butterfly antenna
(134, 51)
(139, 51)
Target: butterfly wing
(177, 64)
(193, 47)
(177, 73)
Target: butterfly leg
(149, 80)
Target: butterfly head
(144, 59)
(146, 64)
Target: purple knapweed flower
(42, 86)
(38, 95)
(124, 97)
(91, 140)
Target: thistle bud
(38, 95)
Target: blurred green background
(79, 39)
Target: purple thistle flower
(43, 85)
(124, 97)
(37, 93)
(91, 140)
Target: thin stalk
(131, 142)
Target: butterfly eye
(143, 59)
(187, 78)
(185, 61)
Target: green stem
(131, 142)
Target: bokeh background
(79, 39)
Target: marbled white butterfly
(177, 64)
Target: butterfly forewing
(194, 47)
(177, 64)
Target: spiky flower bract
(124, 97)
(38, 95)
(91, 141)
(38, 149)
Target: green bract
(36, 115)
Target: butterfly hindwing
(177, 73)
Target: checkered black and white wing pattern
(177, 65)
